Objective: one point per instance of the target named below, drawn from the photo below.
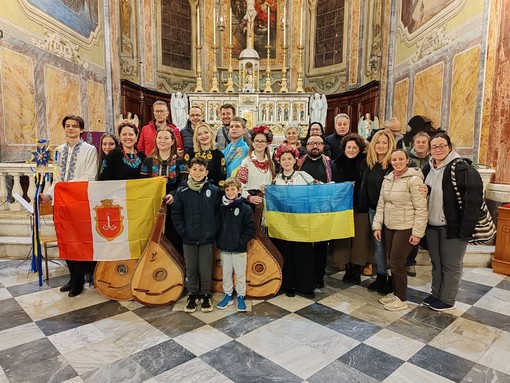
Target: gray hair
(292, 126)
(160, 103)
(342, 115)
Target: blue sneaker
(241, 304)
(226, 301)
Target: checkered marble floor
(344, 335)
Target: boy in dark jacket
(237, 228)
(195, 214)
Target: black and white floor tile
(343, 335)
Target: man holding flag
(75, 160)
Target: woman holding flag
(163, 162)
(298, 268)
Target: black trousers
(298, 266)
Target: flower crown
(285, 148)
(262, 129)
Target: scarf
(196, 185)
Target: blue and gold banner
(310, 213)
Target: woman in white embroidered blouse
(257, 169)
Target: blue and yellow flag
(310, 213)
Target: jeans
(379, 255)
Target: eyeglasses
(259, 141)
(315, 144)
(438, 147)
(160, 111)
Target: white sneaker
(396, 305)
(387, 298)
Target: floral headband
(263, 129)
(285, 148)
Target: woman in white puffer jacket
(401, 216)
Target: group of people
(215, 183)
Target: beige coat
(401, 205)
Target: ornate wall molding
(432, 42)
(61, 46)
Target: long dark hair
(323, 133)
(102, 154)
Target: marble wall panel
(62, 95)
(464, 97)
(490, 65)
(499, 155)
(149, 46)
(354, 42)
(400, 94)
(427, 93)
(18, 97)
(115, 54)
(96, 107)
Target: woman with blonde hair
(379, 165)
(204, 145)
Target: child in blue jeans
(195, 213)
(236, 229)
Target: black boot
(356, 274)
(348, 273)
(374, 286)
(386, 288)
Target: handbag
(485, 230)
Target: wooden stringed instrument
(158, 278)
(264, 265)
(113, 278)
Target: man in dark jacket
(195, 117)
(342, 128)
(236, 230)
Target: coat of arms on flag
(106, 220)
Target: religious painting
(264, 16)
(299, 112)
(82, 16)
(282, 111)
(213, 111)
(127, 29)
(416, 13)
(266, 112)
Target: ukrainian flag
(310, 213)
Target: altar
(275, 110)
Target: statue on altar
(179, 109)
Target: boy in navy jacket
(195, 213)
(236, 230)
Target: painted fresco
(80, 15)
(416, 13)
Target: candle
(301, 27)
(230, 27)
(214, 25)
(284, 29)
(198, 26)
(268, 25)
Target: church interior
(442, 63)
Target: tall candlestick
(268, 25)
(214, 25)
(230, 27)
(301, 27)
(198, 26)
(284, 29)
